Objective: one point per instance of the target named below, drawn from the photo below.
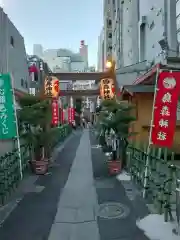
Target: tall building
(178, 21)
(101, 56)
(142, 29)
(38, 50)
(83, 50)
(107, 29)
(13, 53)
(64, 60)
(12, 60)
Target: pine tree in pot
(35, 115)
(118, 120)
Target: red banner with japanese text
(72, 114)
(55, 112)
(69, 115)
(165, 108)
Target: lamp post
(111, 69)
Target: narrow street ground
(77, 200)
(33, 217)
(120, 206)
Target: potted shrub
(116, 118)
(34, 124)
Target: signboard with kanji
(55, 112)
(107, 89)
(165, 109)
(8, 128)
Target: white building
(13, 54)
(38, 50)
(83, 50)
(178, 20)
(143, 33)
(107, 29)
(140, 27)
(64, 60)
(101, 56)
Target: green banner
(7, 113)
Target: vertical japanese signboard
(165, 109)
(107, 88)
(69, 116)
(55, 112)
(72, 114)
(7, 112)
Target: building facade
(38, 70)
(64, 60)
(144, 31)
(13, 54)
(13, 60)
(107, 11)
(83, 50)
(178, 21)
(101, 57)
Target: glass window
(22, 82)
(178, 22)
(178, 7)
(178, 37)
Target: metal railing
(161, 188)
(10, 169)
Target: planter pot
(39, 167)
(114, 167)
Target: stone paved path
(76, 214)
(120, 204)
(33, 217)
(77, 200)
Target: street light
(109, 64)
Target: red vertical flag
(165, 108)
(55, 112)
(69, 116)
(72, 114)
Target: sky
(57, 23)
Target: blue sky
(58, 23)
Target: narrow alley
(76, 200)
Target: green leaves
(117, 115)
(36, 114)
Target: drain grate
(113, 210)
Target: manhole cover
(113, 210)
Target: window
(109, 22)
(22, 82)
(178, 22)
(177, 8)
(110, 35)
(12, 41)
(26, 84)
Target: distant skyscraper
(107, 29)
(101, 55)
(83, 50)
(38, 50)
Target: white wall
(78, 66)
